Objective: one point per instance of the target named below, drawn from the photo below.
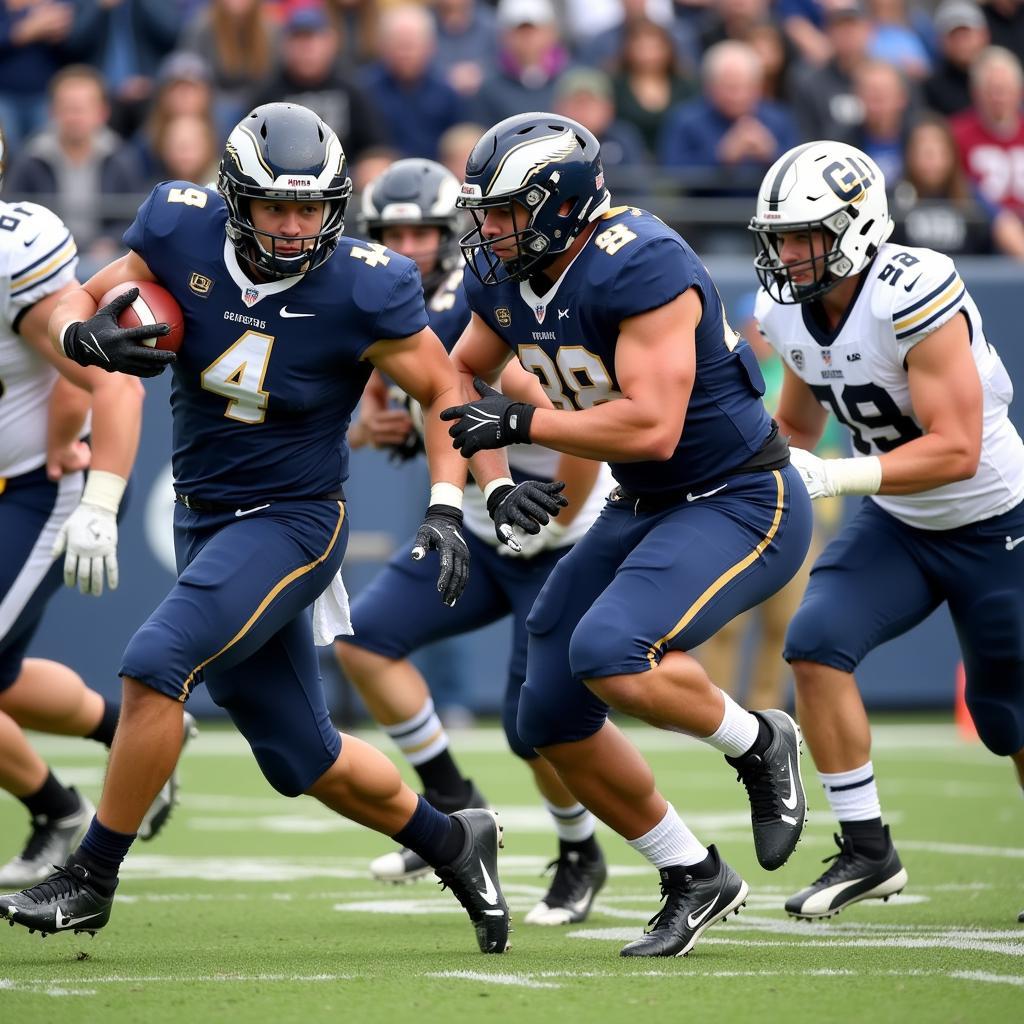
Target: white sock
(669, 843)
(738, 731)
(422, 737)
(852, 795)
(573, 824)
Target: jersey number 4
(238, 375)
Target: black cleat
(473, 879)
(851, 878)
(50, 842)
(66, 901)
(1020, 917)
(576, 882)
(778, 808)
(692, 905)
(405, 866)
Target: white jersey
(859, 373)
(37, 257)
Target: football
(154, 305)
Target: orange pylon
(961, 714)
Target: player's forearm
(487, 466)
(116, 423)
(446, 464)
(928, 462)
(77, 305)
(619, 431)
(579, 477)
(69, 405)
(806, 439)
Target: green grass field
(251, 907)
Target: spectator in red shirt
(990, 136)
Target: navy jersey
(448, 309)
(269, 373)
(631, 264)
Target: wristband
(104, 490)
(502, 481)
(63, 336)
(446, 494)
(861, 475)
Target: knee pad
(817, 635)
(509, 721)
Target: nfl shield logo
(826, 357)
(250, 296)
(538, 311)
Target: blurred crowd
(691, 99)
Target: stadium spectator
(310, 75)
(456, 144)
(990, 136)
(1006, 24)
(885, 100)
(370, 165)
(804, 23)
(728, 137)
(896, 41)
(823, 96)
(358, 21)
(935, 206)
(776, 53)
(408, 88)
(187, 148)
(603, 48)
(531, 59)
(650, 79)
(467, 42)
(963, 34)
(238, 41)
(79, 166)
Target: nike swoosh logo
(95, 347)
(239, 512)
(66, 922)
(490, 892)
(287, 315)
(706, 494)
(789, 802)
(583, 902)
(697, 916)
(908, 287)
(1011, 543)
(31, 241)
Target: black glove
(99, 341)
(528, 505)
(440, 532)
(492, 422)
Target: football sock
(104, 731)
(586, 848)
(434, 836)
(51, 800)
(738, 732)
(852, 795)
(670, 842)
(424, 742)
(102, 852)
(572, 824)
(869, 837)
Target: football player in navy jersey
(625, 329)
(410, 208)
(284, 317)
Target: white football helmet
(829, 186)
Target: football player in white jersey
(889, 340)
(47, 505)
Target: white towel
(331, 616)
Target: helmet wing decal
(527, 159)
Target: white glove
(532, 544)
(827, 478)
(89, 535)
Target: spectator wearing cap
(77, 162)
(963, 34)
(467, 42)
(586, 96)
(310, 76)
(531, 59)
(728, 138)
(406, 85)
(649, 79)
(823, 96)
(990, 135)
(239, 43)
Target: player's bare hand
(441, 531)
(387, 428)
(493, 421)
(69, 458)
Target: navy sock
(51, 800)
(441, 775)
(104, 731)
(869, 837)
(586, 848)
(102, 851)
(436, 837)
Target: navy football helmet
(416, 191)
(546, 169)
(283, 151)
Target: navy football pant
(880, 577)
(32, 511)
(643, 583)
(238, 619)
(399, 612)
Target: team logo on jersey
(538, 311)
(200, 284)
(503, 316)
(826, 357)
(251, 296)
(797, 358)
